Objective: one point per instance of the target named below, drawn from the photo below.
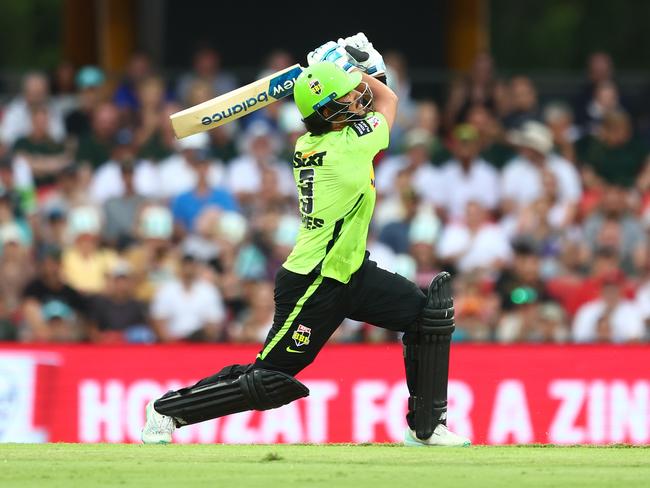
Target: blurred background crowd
(111, 230)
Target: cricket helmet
(320, 84)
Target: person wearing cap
(424, 178)
(522, 181)
(115, 315)
(328, 276)
(17, 116)
(90, 81)
(152, 258)
(246, 173)
(177, 174)
(467, 176)
(49, 289)
(16, 265)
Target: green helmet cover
(320, 83)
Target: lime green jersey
(336, 189)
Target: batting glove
(373, 64)
(331, 51)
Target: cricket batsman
(348, 111)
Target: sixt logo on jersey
(235, 109)
(281, 86)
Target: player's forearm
(385, 99)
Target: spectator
(85, 264)
(615, 155)
(467, 176)
(62, 82)
(611, 318)
(51, 309)
(187, 206)
(613, 225)
(522, 181)
(68, 192)
(246, 173)
(138, 69)
(90, 83)
(490, 134)
(523, 103)
(207, 68)
(474, 244)
(476, 309)
(177, 173)
(96, 147)
(151, 101)
(16, 267)
(188, 308)
(258, 318)
(115, 315)
(600, 72)
(44, 157)
(17, 118)
(427, 117)
(480, 87)
(558, 117)
(121, 213)
(153, 258)
(423, 177)
(395, 234)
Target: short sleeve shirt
(336, 190)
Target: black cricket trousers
(309, 308)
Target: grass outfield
(377, 465)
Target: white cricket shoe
(441, 436)
(158, 428)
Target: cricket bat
(235, 104)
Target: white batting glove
(359, 41)
(331, 51)
(373, 64)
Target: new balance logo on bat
(235, 109)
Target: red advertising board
(497, 394)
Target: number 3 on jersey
(306, 179)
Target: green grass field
(358, 466)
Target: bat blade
(235, 104)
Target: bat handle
(358, 55)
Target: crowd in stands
(113, 231)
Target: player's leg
(391, 301)
(308, 311)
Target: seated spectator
(85, 264)
(206, 67)
(17, 117)
(475, 243)
(151, 101)
(177, 173)
(187, 206)
(613, 225)
(427, 117)
(121, 213)
(615, 154)
(533, 322)
(115, 316)
(423, 176)
(153, 258)
(611, 318)
(62, 86)
(96, 147)
(395, 233)
(188, 308)
(90, 82)
(68, 191)
(558, 117)
(494, 150)
(467, 176)
(600, 69)
(422, 236)
(523, 103)
(258, 317)
(19, 197)
(476, 310)
(16, 266)
(138, 68)
(245, 173)
(522, 181)
(606, 99)
(161, 143)
(52, 310)
(44, 156)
